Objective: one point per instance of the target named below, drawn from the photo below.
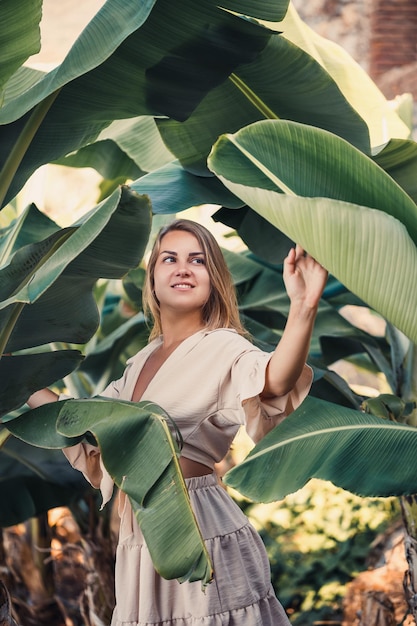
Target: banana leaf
(358, 88)
(29, 227)
(34, 480)
(107, 360)
(161, 59)
(172, 189)
(339, 205)
(261, 237)
(59, 272)
(399, 159)
(46, 288)
(22, 375)
(19, 34)
(29, 496)
(147, 471)
(273, 86)
(123, 148)
(359, 452)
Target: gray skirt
(240, 594)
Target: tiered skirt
(240, 594)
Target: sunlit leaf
(361, 453)
(370, 250)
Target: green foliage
(317, 540)
(355, 450)
(141, 456)
(154, 80)
(323, 193)
(47, 286)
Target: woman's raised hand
(304, 278)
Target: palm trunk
(409, 513)
(6, 618)
(409, 503)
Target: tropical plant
(149, 103)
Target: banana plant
(49, 271)
(154, 71)
(355, 450)
(336, 202)
(152, 481)
(46, 287)
(138, 70)
(360, 224)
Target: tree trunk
(377, 610)
(409, 513)
(6, 618)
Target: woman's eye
(198, 260)
(169, 259)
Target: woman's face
(181, 279)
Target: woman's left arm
(304, 280)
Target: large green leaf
(283, 82)
(161, 59)
(21, 81)
(29, 227)
(261, 237)
(106, 158)
(359, 452)
(399, 159)
(29, 496)
(272, 10)
(304, 161)
(57, 275)
(19, 35)
(140, 140)
(46, 289)
(369, 251)
(106, 361)
(126, 149)
(22, 375)
(34, 480)
(356, 85)
(172, 189)
(148, 472)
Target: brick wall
(393, 35)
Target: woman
(211, 379)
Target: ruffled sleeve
(86, 458)
(261, 415)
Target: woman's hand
(304, 278)
(41, 397)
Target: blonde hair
(221, 309)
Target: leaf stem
(24, 140)
(10, 324)
(4, 436)
(253, 98)
(18, 307)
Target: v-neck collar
(138, 361)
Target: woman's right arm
(43, 396)
(83, 456)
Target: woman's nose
(182, 271)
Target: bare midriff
(191, 468)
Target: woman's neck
(175, 333)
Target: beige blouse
(209, 386)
